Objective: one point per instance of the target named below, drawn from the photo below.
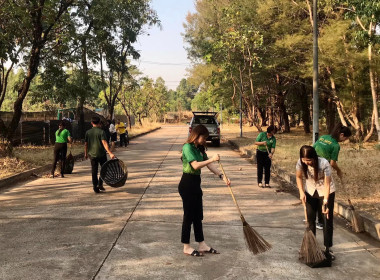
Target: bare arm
(216, 171)
(326, 195)
(334, 165)
(299, 179)
(200, 164)
(263, 143)
(85, 150)
(70, 140)
(105, 145)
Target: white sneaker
(319, 225)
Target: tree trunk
(373, 92)
(305, 108)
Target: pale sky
(162, 52)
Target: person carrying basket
(95, 147)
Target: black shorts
(114, 137)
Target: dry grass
(359, 163)
(27, 156)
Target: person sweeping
(318, 192)
(194, 158)
(328, 147)
(266, 144)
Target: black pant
(94, 169)
(60, 151)
(123, 141)
(191, 193)
(263, 162)
(312, 204)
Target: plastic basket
(114, 173)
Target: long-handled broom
(255, 242)
(356, 221)
(310, 253)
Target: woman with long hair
(194, 158)
(317, 193)
(62, 137)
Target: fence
(43, 133)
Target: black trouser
(123, 140)
(263, 162)
(191, 193)
(95, 161)
(312, 204)
(60, 151)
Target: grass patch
(360, 164)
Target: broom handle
(230, 189)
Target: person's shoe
(261, 185)
(267, 186)
(96, 189)
(100, 187)
(319, 225)
(62, 176)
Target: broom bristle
(310, 252)
(356, 222)
(256, 244)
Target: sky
(162, 51)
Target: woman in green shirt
(266, 144)
(62, 137)
(194, 158)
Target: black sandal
(211, 251)
(195, 253)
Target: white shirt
(112, 128)
(324, 170)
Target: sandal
(267, 186)
(211, 251)
(261, 185)
(195, 253)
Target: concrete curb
(371, 225)
(17, 178)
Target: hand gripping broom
(256, 244)
(310, 252)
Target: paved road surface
(59, 229)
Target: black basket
(69, 164)
(114, 173)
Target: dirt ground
(359, 163)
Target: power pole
(315, 73)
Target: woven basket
(69, 164)
(114, 173)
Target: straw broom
(256, 244)
(356, 221)
(310, 253)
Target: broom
(356, 222)
(256, 244)
(310, 252)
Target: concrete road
(59, 229)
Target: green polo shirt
(62, 137)
(327, 147)
(271, 142)
(191, 153)
(93, 138)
